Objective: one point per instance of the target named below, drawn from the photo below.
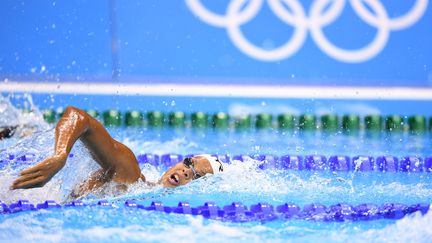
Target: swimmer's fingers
(36, 182)
(30, 180)
(39, 174)
(25, 178)
(34, 169)
(50, 165)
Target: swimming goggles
(189, 164)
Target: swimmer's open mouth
(174, 179)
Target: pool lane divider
(341, 163)
(238, 212)
(222, 120)
(410, 164)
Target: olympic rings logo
(240, 12)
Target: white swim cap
(216, 165)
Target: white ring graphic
(281, 52)
(321, 14)
(358, 55)
(221, 20)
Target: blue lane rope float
(238, 212)
(411, 164)
(312, 162)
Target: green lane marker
(155, 118)
(430, 123)
(286, 121)
(264, 120)
(49, 115)
(242, 121)
(112, 118)
(351, 122)
(394, 123)
(373, 122)
(133, 119)
(307, 122)
(417, 123)
(348, 122)
(199, 119)
(93, 113)
(220, 120)
(330, 122)
(176, 119)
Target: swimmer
(19, 123)
(7, 132)
(117, 161)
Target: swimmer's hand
(40, 174)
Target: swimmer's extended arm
(117, 160)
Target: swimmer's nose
(187, 173)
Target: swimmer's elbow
(75, 113)
(71, 110)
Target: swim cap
(216, 165)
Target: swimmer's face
(180, 174)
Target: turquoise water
(242, 181)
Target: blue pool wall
(225, 104)
(72, 40)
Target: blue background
(163, 41)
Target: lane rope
(238, 212)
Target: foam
(412, 228)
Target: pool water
(241, 182)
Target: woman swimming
(7, 132)
(117, 161)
